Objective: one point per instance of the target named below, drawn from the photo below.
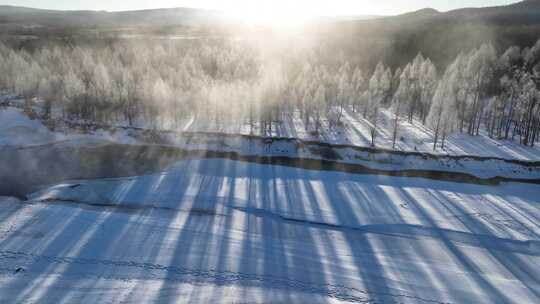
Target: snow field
(239, 232)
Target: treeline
(498, 93)
(167, 83)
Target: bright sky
(317, 7)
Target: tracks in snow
(217, 277)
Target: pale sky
(313, 7)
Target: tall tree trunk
(396, 122)
(444, 137)
(462, 114)
(472, 121)
(47, 108)
(480, 113)
(510, 116)
(251, 117)
(535, 131)
(437, 131)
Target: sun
(268, 13)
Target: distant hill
(22, 17)
(438, 35)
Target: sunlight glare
(266, 13)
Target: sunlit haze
(268, 11)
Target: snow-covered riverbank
(38, 147)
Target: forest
(165, 83)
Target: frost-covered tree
(345, 93)
(359, 86)
(401, 97)
(379, 86)
(479, 71)
(442, 117)
(511, 58)
(415, 89)
(319, 101)
(162, 96)
(428, 81)
(74, 95)
(49, 91)
(528, 110)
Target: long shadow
(174, 188)
(7, 213)
(307, 206)
(510, 212)
(62, 241)
(248, 244)
(465, 261)
(224, 246)
(95, 244)
(514, 201)
(188, 249)
(527, 276)
(270, 249)
(367, 264)
(273, 252)
(386, 239)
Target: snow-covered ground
(220, 230)
(411, 137)
(18, 130)
(355, 131)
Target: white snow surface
(355, 131)
(219, 230)
(16, 129)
